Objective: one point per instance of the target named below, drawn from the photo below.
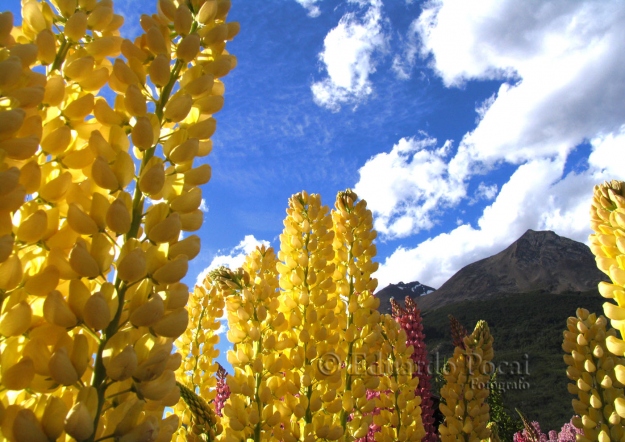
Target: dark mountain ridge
(537, 261)
(400, 291)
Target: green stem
(60, 56)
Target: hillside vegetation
(527, 329)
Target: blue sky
(463, 123)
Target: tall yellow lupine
(252, 410)
(607, 220)
(466, 388)
(593, 369)
(94, 197)
(307, 344)
(198, 368)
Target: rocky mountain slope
(537, 261)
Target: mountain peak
(399, 291)
(537, 261)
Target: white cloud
(233, 258)
(405, 187)
(311, 7)
(348, 57)
(563, 67)
(563, 63)
(537, 197)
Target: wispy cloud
(404, 61)
(349, 57)
(311, 7)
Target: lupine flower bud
(172, 324)
(96, 312)
(61, 368)
(16, 320)
(183, 19)
(153, 178)
(20, 375)
(79, 108)
(178, 107)
(76, 26)
(148, 313)
(82, 262)
(26, 427)
(79, 423)
(123, 365)
(189, 47)
(142, 133)
(118, 217)
(134, 101)
(132, 266)
(53, 419)
(57, 311)
(100, 17)
(79, 221)
(190, 246)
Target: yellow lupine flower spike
(465, 409)
(596, 375)
(90, 278)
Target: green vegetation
(527, 329)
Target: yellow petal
(142, 133)
(79, 221)
(132, 266)
(103, 175)
(134, 101)
(57, 311)
(61, 368)
(56, 189)
(82, 262)
(57, 141)
(198, 176)
(79, 423)
(189, 47)
(153, 177)
(76, 26)
(178, 107)
(173, 324)
(189, 246)
(20, 375)
(16, 320)
(26, 427)
(159, 71)
(173, 271)
(167, 230)
(96, 312)
(33, 228)
(53, 419)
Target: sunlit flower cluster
(95, 195)
(465, 409)
(308, 341)
(598, 377)
(607, 220)
(197, 345)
